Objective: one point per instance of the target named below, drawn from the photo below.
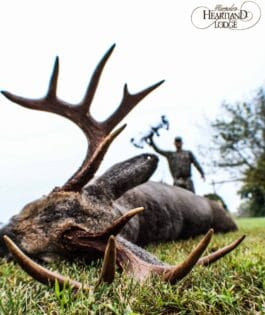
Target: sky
(155, 40)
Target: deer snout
(147, 161)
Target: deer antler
(141, 269)
(126, 259)
(98, 134)
(48, 277)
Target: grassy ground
(233, 285)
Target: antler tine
(38, 272)
(89, 95)
(180, 271)
(213, 257)
(49, 103)
(54, 79)
(31, 104)
(108, 269)
(113, 229)
(118, 224)
(129, 101)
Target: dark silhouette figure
(179, 163)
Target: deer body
(170, 213)
(173, 213)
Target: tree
(253, 190)
(239, 140)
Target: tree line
(238, 142)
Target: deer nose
(152, 158)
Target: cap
(178, 139)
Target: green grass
(233, 285)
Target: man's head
(178, 143)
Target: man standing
(179, 163)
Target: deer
(114, 215)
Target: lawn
(233, 285)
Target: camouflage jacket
(179, 162)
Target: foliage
(234, 285)
(253, 190)
(239, 140)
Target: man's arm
(155, 147)
(197, 165)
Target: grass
(233, 285)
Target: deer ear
(123, 176)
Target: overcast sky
(155, 40)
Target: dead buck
(93, 221)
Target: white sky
(155, 40)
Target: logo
(227, 17)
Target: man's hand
(203, 177)
(149, 140)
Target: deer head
(76, 221)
